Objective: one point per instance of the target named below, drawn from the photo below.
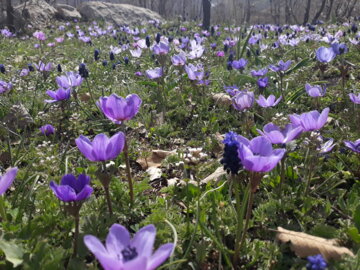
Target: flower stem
(282, 175)
(108, 200)
(247, 218)
(76, 236)
(2, 209)
(128, 172)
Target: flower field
(165, 146)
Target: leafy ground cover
(239, 145)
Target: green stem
(247, 218)
(76, 235)
(108, 200)
(282, 175)
(2, 209)
(128, 172)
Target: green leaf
(13, 252)
(356, 217)
(303, 63)
(354, 234)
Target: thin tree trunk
(330, 10)
(307, 12)
(206, 14)
(351, 9)
(248, 11)
(10, 15)
(287, 12)
(317, 15)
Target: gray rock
(117, 13)
(38, 13)
(67, 12)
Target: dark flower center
(129, 253)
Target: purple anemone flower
(311, 120)
(354, 146)
(232, 90)
(43, 67)
(178, 60)
(354, 98)
(327, 146)
(7, 179)
(259, 73)
(243, 100)
(5, 87)
(325, 55)
(154, 73)
(195, 72)
(47, 129)
(119, 109)
(122, 252)
(72, 189)
(258, 155)
(339, 48)
(161, 49)
(280, 136)
(315, 90)
(69, 80)
(268, 102)
(239, 64)
(58, 95)
(101, 148)
(263, 82)
(39, 35)
(281, 66)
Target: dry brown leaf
(304, 244)
(222, 99)
(157, 156)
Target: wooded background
(235, 11)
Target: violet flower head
(122, 252)
(178, 60)
(327, 146)
(47, 129)
(316, 262)
(325, 55)
(315, 90)
(155, 73)
(281, 66)
(271, 101)
(354, 98)
(231, 160)
(42, 67)
(243, 100)
(5, 87)
(258, 155)
(58, 95)
(69, 80)
(339, 48)
(161, 48)
(39, 35)
(119, 109)
(72, 189)
(259, 73)
(232, 90)
(239, 64)
(354, 146)
(2, 68)
(102, 148)
(263, 82)
(195, 72)
(7, 179)
(311, 120)
(280, 136)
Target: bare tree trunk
(307, 12)
(330, 10)
(317, 15)
(206, 14)
(287, 12)
(248, 11)
(10, 15)
(351, 9)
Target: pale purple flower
(243, 100)
(354, 146)
(7, 179)
(268, 102)
(195, 72)
(5, 87)
(161, 49)
(70, 80)
(51, 44)
(232, 90)
(155, 73)
(239, 64)
(259, 73)
(280, 136)
(59, 39)
(102, 148)
(327, 146)
(43, 67)
(58, 95)
(120, 252)
(72, 189)
(136, 53)
(119, 109)
(6, 33)
(355, 98)
(47, 129)
(315, 90)
(39, 35)
(281, 66)
(258, 155)
(220, 53)
(311, 120)
(24, 72)
(263, 82)
(178, 59)
(339, 48)
(325, 55)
